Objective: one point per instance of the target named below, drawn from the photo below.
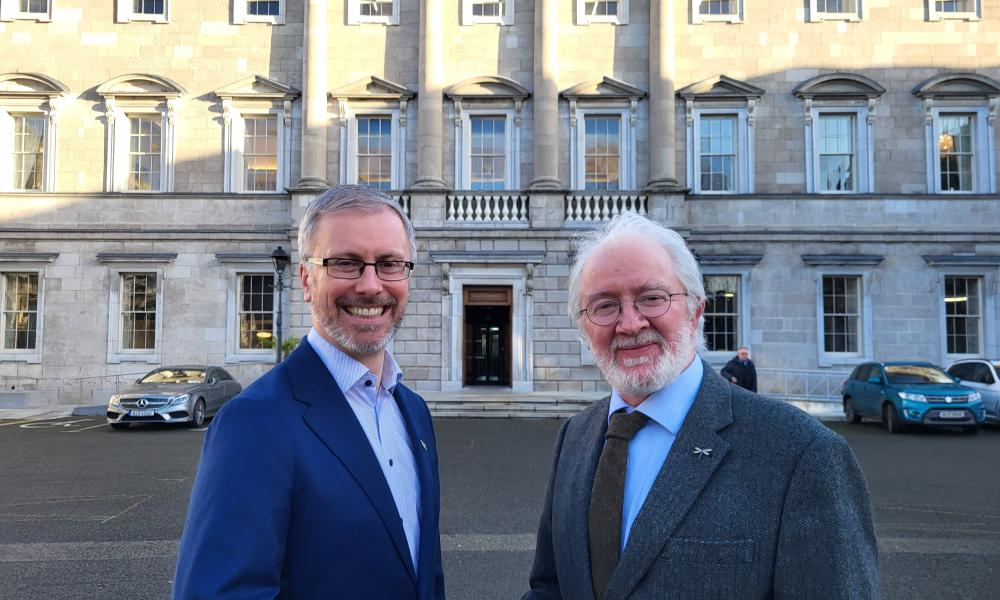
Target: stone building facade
(832, 162)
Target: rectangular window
(717, 7)
(722, 313)
(488, 8)
(260, 154)
(29, 144)
(144, 156)
(956, 152)
(488, 152)
(841, 313)
(20, 311)
(602, 152)
(836, 146)
(954, 6)
(967, 10)
(255, 312)
(137, 329)
(35, 7)
(836, 6)
(148, 7)
(600, 8)
(963, 314)
(269, 8)
(718, 153)
(726, 11)
(375, 151)
(376, 8)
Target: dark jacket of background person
(745, 374)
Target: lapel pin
(423, 445)
(699, 452)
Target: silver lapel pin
(423, 445)
(702, 452)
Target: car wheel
(971, 429)
(119, 425)
(198, 416)
(891, 419)
(849, 412)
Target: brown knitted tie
(605, 519)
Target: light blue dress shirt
(666, 409)
(383, 424)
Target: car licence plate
(140, 413)
(952, 414)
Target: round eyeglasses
(606, 311)
(353, 268)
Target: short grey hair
(344, 198)
(630, 225)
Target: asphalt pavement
(87, 512)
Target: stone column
(314, 111)
(430, 98)
(662, 128)
(545, 102)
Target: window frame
(234, 353)
(125, 13)
(743, 146)
(10, 10)
(242, 16)
(619, 18)
(983, 172)
(116, 353)
(864, 151)
(865, 325)
(234, 140)
(985, 310)
(744, 306)
(27, 355)
(47, 99)
(463, 148)
(349, 160)
(817, 16)
(506, 18)
(933, 14)
(735, 17)
(354, 16)
(626, 160)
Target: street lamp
(281, 260)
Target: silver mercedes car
(183, 394)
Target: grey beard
(666, 370)
(341, 338)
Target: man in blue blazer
(320, 480)
(680, 486)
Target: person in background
(320, 480)
(740, 370)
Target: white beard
(660, 373)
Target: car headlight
(114, 401)
(975, 397)
(177, 400)
(913, 397)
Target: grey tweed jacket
(778, 508)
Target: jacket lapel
(681, 480)
(582, 478)
(334, 423)
(428, 489)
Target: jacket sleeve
(544, 580)
(826, 544)
(233, 544)
(727, 373)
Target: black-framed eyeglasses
(353, 268)
(605, 311)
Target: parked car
(982, 375)
(182, 394)
(910, 393)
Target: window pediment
(140, 86)
(721, 88)
(838, 86)
(372, 88)
(605, 88)
(257, 87)
(487, 88)
(958, 85)
(32, 85)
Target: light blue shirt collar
(668, 406)
(348, 372)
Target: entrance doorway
(487, 335)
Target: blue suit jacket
(290, 501)
(778, 508)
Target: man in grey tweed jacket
(727, 495)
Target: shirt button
(368, 383)
(390, 462)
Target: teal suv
(910, 393)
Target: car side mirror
(875, 379)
